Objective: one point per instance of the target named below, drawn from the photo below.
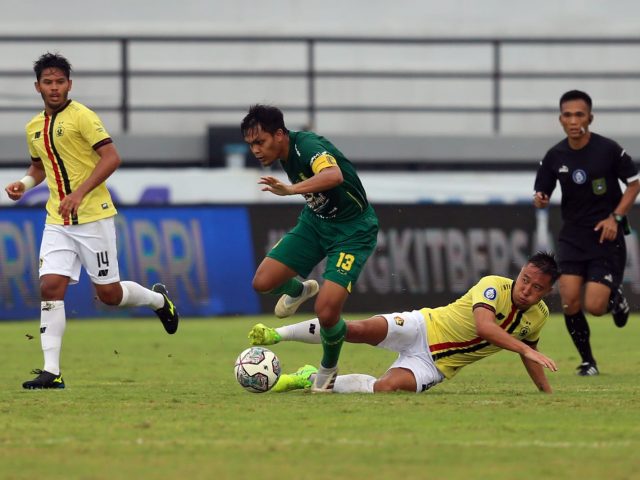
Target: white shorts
(65, 249)
(407, 335)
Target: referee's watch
(617, 217)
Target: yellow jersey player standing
(72, 150)
(435, 343)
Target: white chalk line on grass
(223, 442)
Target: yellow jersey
(451, 330)
(66, 143)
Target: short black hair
(576, 95)
(546, 263)
(51, 60)
(266, 116)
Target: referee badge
(579, 176)
(599, 186)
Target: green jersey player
(337, 223)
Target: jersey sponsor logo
(599, 186)
(579, 176)
(490, 293)
(563, 169)
(399, 321)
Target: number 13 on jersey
(345, 261)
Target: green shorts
(346, 245)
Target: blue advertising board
(204, 254)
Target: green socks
(332, 340)
(292, 287)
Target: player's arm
(608, 227)
(326, 179)
(487, 328)
(108, 163)
(326, 175)
(544, 184)
(536, 372)
(628, 198)
(34, 176)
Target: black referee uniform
(590, 192)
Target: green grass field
(141, 404)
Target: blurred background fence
(446, 132)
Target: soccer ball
(257, 369)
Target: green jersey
(308, 153)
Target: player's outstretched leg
(295, 381)
(44, 379)
(288, 305)
(307, 331)
(168, 314)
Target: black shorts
(606, 270)
(581, 253)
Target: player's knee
(571, 307)
(596, 307)
(51, 290)
(110, 296)
(261, 284)
(327, 313)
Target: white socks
(354, 383)
(52, 324)
(135, 295)
(53, 320)
(307, 331)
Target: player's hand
(543, 360)
(608, 229)
(273, 185)
(15, 190)
(540, 200)
(70, 204)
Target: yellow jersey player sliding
(433, 344)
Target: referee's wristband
(28, 181)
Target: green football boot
(295, 381)
(260, 334)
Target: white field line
(222, 442)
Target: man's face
(531, 285)
(575, 118)
(266, 147)
(54, 87)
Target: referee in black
(591, 247)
